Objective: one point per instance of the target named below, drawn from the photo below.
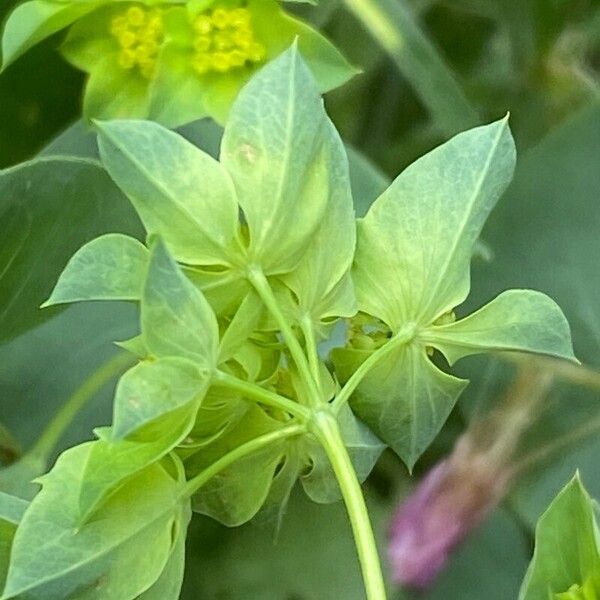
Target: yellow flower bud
(203, 24)
(220, 18)
(220, 62)
(202, 43)
(225, 40)
(136, 16)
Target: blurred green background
(430, 69)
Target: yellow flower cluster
(140, 35)
(225, 40)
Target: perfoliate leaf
(277, 149)
(176, 318)
(36, 20)
(179, 191)
(415, 243)
(243, 324)
(405, 399)
(328, 258)
(520, 320)
(236, 494)
(364, 448)
(153, 390)
(111, 267)
(168, 586)
(117, 555)
(135, 346)
(111, 463)
(42, 214)
(567, 549)
(219, 412)
(18, 478)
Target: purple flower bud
(452, 499)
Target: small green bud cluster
(140, 35)
(225, 40)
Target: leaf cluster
(247, 265)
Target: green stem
(401, 338)
(78, 399)
(194, 484)
(312, 350)
(398, 32)
(255, 392)
(261, 285)
(324, 426)
(567, 440)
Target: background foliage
(444, 66)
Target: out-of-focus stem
(394, 27)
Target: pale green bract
(566, 561)
(411, 270)
(111, 267)
(100, 558)
(247, 264)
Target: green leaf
(243, 324)
(416, 241)
(405, 399)
(168, 586)
(11, 513)
(111, 463)
(236, 494)
(36, 20)
(567, 547)
(153, 390)
(117, 555)
(43, 215)
(135, 346)
(111, 267)
(517, 320)
(277, 148)
(179, 191)
(176, 318)
(317, 283)
(18, 478)
(219, 412)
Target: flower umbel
(225, 40)
(140, 35)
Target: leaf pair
(130, 548)
(411, 270)
(172, 61)
(282, 165)
(263, 481)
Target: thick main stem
(324, 426)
